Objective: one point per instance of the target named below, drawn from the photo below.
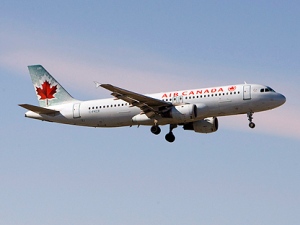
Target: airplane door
(247, 92)
(76, 110)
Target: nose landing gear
(250, 118)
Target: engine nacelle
(207, 125)
(202, 110)
(181, 112)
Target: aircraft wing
(148, 105)
(39, 110)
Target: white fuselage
(210, 102)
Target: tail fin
(49, 92)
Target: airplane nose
(281, 99)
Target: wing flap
(39, 110)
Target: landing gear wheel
(250, 118)
(155, 129)
(252, 125)
(170, 137)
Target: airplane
(196, 109)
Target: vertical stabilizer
(49, 92)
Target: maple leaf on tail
(46, 92)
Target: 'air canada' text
(197, 92)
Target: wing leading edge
(150, 106)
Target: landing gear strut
(250, 118)
(170, 136)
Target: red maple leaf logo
(46, 92)
(232, 88)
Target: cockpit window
(268, 89)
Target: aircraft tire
(252, 125)
(155, 130)
(170, 137)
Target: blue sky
(59, 174)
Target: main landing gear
(170, 136)
(155, 129)
(250, 118)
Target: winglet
(97, 84)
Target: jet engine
(181, 112)
(207, 125)
(202, 110)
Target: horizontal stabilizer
(39, 110)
